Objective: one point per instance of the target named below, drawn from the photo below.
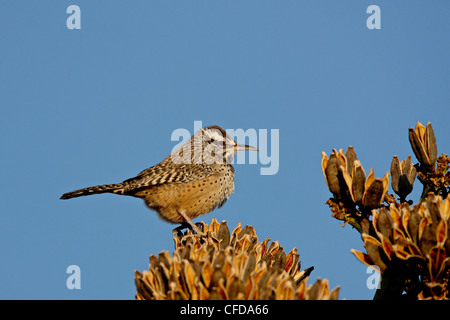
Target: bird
(193, 180)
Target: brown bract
(228, 266)
(413, 239)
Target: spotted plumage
(192, 181)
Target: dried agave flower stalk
(414, 241)
(224, 266)
(409, 246)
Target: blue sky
(99, 104)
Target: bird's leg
(193, 225)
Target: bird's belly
(193, 198)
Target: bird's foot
(196, 227)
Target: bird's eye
(212, 139)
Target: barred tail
(105, 188)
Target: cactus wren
(193, 180)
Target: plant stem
(425, 191)
(391, 286)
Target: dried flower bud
(403, 175)
(333, 177)
(347, 179)
(423, 143)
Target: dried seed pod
(403, 175)
(423, 143)
(224, 266)
(346, 179)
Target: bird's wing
(167, 173)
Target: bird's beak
(240, 147)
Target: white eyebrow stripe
(213, 134)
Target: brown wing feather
(165, 173)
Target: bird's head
(211, 145)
